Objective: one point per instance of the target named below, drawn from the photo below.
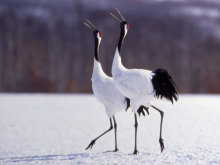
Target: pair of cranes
(134, 88)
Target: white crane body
(106, 92)
(139, 85)
(104, 89)
(135, 84)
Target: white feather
(131, 82)
(106, 92)
(135, 84)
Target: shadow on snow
(47, 157)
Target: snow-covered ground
(55, 129)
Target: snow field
(56, 129)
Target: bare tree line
(44, 48)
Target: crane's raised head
(96, 33)
(123, 23)
(97, 37)
(124, 27)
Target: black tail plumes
(164, 86)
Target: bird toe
(135, 152)
(90, 145)
(161, 141)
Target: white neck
(97, 71)
(117, 66)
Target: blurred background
(44, 46)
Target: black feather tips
(164, 86)
(128, 103)
(142, 109)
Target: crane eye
(100, 34)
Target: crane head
(123, 23)
(97, 34)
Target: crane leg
(161, 141)
(135, 126)
(115, 127)
(94, 140)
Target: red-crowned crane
(139, 85)
(104, 89)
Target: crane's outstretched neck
(117, 64)
(121, 39)
(122, 36)
(97, 68)
(97, 43)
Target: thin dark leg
(115, 127)
(161, 123)
(94, 140)
(135, 126)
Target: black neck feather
(96, 49)
(121, 38)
